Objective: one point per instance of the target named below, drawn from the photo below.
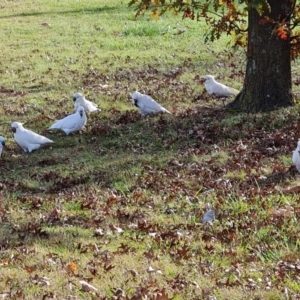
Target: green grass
(129, 193)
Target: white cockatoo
(218, 89)
(296, 157)
(2, 144)
(79, 100)
(71, 123)
(27, 139)
(146, 105)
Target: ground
(115, 211)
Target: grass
(128, 194)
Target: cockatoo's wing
(65, 122)
(220, 89)
(31, 137)
(296, 157)
(79, 100)
(209, 87)
(90, 106)
(29, 140)
(72, 122)
(2, 144)
(86, 104)
(226, 91)
(148, 105)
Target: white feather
(296, 157)
(71, 123)
(218, 89)
(27, 139)
(2, 144)
(146, 105)
(79, 100)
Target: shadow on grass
(124, 145)
(70, 12)
(163, 155)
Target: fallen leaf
(29, 269)
(46, 24)
(282, 212)
(291, 189)
(180, 31)
(151, 270)
(133, 272)
(40, 280)
(71, 267)
(86, 287)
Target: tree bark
(268, 83)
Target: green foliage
(261, 6)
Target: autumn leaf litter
(209, 194)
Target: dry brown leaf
(282, 212)
(133, 272)
(87, 287)
(180, 31)
(116, 229)
(291, 189)
(40, 280)
(151, 270)
(29, 269)
(71, 267)
(46, 24)
(104, 86)
(4, 262)
(99, 232)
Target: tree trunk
(268, 82)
